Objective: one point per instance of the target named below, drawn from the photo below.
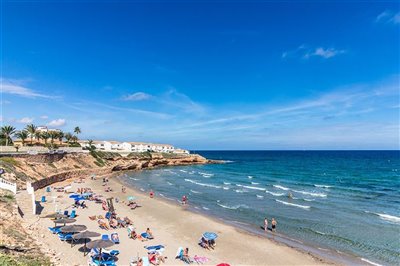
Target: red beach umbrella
(223, 264)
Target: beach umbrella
(85, 235)
(74, 196)
(64, 221)
(100, 244)
(73, 228)
(223, 264)
(210, 236)
(55, 215)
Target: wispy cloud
(44, 117)
(305, 52)
(57, 122)
(137, 96)
(388, 16)
(25, 120)
(16, 87)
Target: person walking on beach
(184, 200)
(273, 223)
(123, 189)
(151, 194)
(265, 224)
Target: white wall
(4, 184)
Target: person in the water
(290, 195)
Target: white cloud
(388, 17)
(325, 53)
(57, 123)
(137, 96)
(16, 88)
(25, 120)
(305, 52)
(44, 117)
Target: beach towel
(152, 249)
(146, 261)
(146, 235)
(200, 260)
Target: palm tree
(23, 135)
(68, 136)
(32, 130)
(38, 135)
(7, 132)
(77, 130)
(60, 136)
(53, 135)
(45, 136)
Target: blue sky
(206, 75)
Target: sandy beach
(172, 225)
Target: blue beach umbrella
(210, 236)
(74, 196)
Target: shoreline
(325, 255)
(172, 225)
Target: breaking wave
(294, 205)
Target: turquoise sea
(344, 202)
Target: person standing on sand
(265, 224)
(273, 223)
(123, 189)
(151, 194)
(184, 200)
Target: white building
(129, 146)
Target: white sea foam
(205, 208)
(239, 185)
(294, 205)
(240, 190)
(274, 193)
(281, 187)
(323, 186)
(206, 175)
(235, 207)
(308, 199)
(225, 188)
(310, 193)
(227, 183)
(250, 177)
(183, 171)
(255, 183)
(386, 217)
(136, 179)
(195, 192)
(371, 262)
(260, 196)
(255, 188)
(201, 184)
(169, 183)
(142, 189)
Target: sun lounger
(103, 261)
(73, 214)
(146, 236)
(55, 230)
(65, 236)
(105, 237)
(152, 249)
(66, 213)
(111, 253)
(115, 238)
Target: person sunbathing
(128, 221)
(204, 243)
(133, 234)
(83, 205)
(149, 234)
(153, 258)
(140, 262)
(185, 256)
(113, 223)
(103, 224)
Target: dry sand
(173, 226)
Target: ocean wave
(136, 179)
(239, 185)
(206, 175)
(386, 217)
(255, 183)
(281, 187)
(240, 191)
(183, 171)
(255, 188)
(235, 207)
(371, 262)
(227, 183)
(323, 186)
(310, 193)
(260, 196)
(142, 189)
(274, 193)
(195, 192)
(250, 177)
(205, 208)
(225, 188)
(169, 183)
(294, 205)
(201, 184)
(308, 199)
